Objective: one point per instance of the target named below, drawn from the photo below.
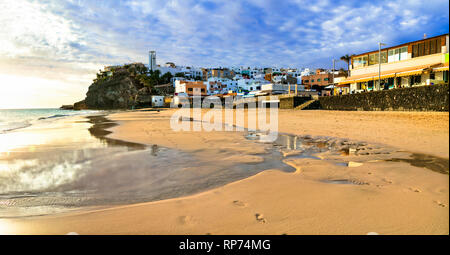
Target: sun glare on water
(24, 141)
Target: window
(417, 79)
(421, 49)
(433, 47)
(373, 58)
(432, 76)
(189, 89)
(326, 79)
(438, 45)
(415, 52)
(360, 61)
(426, 48)
(397, 54)
(429, 47)
(318, 80)
(399, 82)
(312, 80)
(403, 53)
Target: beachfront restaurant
(418, 63)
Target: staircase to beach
(305, 104)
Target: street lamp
(334, 63)
(379, 64)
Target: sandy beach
(373, 191)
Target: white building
(217, 85)
(169, 67)
(189, 72)
(157, 101)
(251, 84)
(306, 72)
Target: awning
(416, 72)
(440, 69)
(387, 74)
(443, 67)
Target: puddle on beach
(79, 166)
(293, 146)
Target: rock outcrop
(118, 89)
(143, 98)
(66, 107)
(80, 105)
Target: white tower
(152, 60)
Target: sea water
(12, 119)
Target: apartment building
(318, 80)
(189, 88)
(221, 85)
(417, 63)
(220, 73)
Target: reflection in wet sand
(433, 163)
(99, 130)
(307, 147)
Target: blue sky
(59, 45)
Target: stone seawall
(423, 98)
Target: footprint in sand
(387, 181)
(415, 190)
(239, 203)
(260, 218)
(185, 220)
(440, 204)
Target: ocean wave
(54, 116)
(6, 127)
(17, 119)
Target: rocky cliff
(125, 87)
(116, 88)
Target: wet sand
(349, 193)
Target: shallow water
(75, 165)
(307, 146)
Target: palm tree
(347, 59)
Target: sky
(51, 50)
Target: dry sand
(386, 197)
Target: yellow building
(418, 63)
